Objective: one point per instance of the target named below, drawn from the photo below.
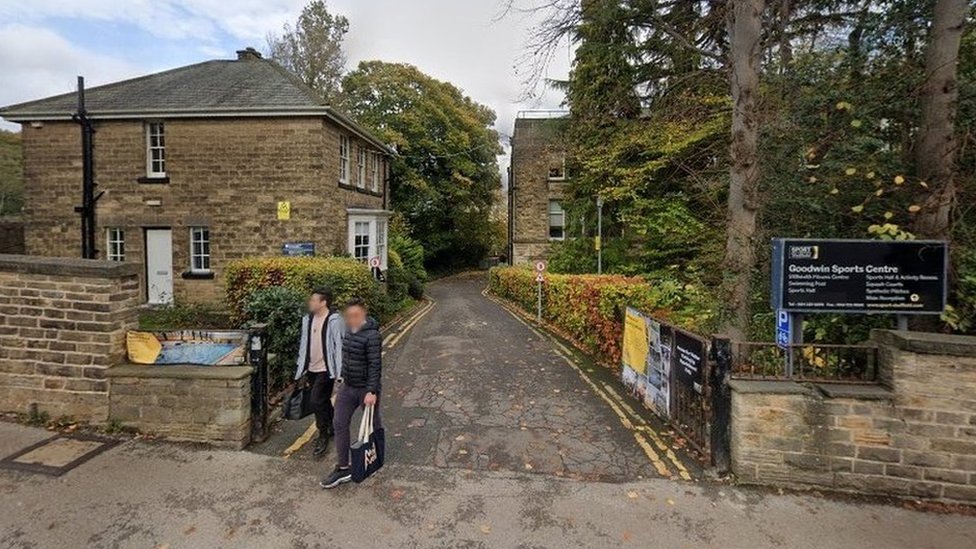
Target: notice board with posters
(859, 276)
(656, 355)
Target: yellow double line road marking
(627, 416)
(309, 433)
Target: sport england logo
(804, 252)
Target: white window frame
(115, 244)
(377, 232)
(155, 147)
(343, 158)
(375, 171)
(361, 164)
(562, 216)
(381, 241)
(200, 235)
(562, 157)
(358, 238)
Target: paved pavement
(494, 441)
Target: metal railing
(543, 114)
(807, 361)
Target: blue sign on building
(298, 249)
(782, 329)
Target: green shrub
(282, 309)
(179, 316)
(397, 277)
(589, 308)
(411, 253)
(345, 276)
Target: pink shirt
(316, 355)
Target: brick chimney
(248, 54)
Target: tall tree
(445, 175)
(745, 34)
(312, 49)
(935, 150)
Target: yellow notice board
(635, 341)
(284, 210)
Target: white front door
(159, 265)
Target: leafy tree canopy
(312, 49)
(445, 176)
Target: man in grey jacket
(320, 358)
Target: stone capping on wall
(179, 372)
(67, 266)
(927, 343)
(831, 389)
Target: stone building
(201, 165)
(537, 178)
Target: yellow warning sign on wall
(284, 210)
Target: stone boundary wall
(62, 323)
(911, 435)
(209, 404)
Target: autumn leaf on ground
(632, 494)
(670, 501)
(396, 495)
(485, 529)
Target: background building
(535, 189)
(201, 165)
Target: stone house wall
(912, 435)
(224, 173)
(62, 324)
(534, 142)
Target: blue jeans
(348, 400)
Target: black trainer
(320, 446)
(338, 476)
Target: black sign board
(859, 276)
(689, 359)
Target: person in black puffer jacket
(362, 351)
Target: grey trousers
(348, 400)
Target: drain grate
(57, 455)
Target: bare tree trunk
(935, 152)
(745, 31)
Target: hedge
(345, 276)
(589, 308)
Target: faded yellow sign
(635, 341)
(142, 347)
(284, 210)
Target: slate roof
(244, 87)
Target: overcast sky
(45, 44)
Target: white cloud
(37, 62)
(178, 19)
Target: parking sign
(782, 329)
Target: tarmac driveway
(472, 387)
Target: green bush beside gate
(589, 308)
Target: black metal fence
(809, 362)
